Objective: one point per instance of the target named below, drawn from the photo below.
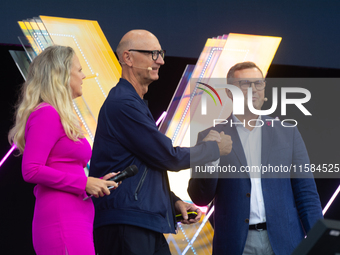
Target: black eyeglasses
(245, 84)
(155, 53)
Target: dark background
(309, 48)
(309, 28)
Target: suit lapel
(267, 135)
(237, 145)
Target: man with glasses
(133, 218)
(255, 213)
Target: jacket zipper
(165, 176)
(167, 217)
(140, 184)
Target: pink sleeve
(43, 130)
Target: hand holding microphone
(127, 172)
(99, 187)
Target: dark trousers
(120, 239)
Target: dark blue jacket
(291, 200)
(127, 135)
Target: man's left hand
(183, 208)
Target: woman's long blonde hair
(48, 81)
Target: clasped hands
(224, 141)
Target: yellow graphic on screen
(98, 61)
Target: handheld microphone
(126, 173)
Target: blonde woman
(55, 152)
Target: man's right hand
(225, 145)
(224, 141)
(213, 135)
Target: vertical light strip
(198, 230)
(83, 121)
(331, 200)
(7, 155)
(161, 118)
(187, 239)
(201, 76)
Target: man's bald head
(134, 39)
(140, 55)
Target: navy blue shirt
(127, 135)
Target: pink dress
(62, 222)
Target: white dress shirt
(251, 143)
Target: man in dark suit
(258, 213)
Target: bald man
(133, 218)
